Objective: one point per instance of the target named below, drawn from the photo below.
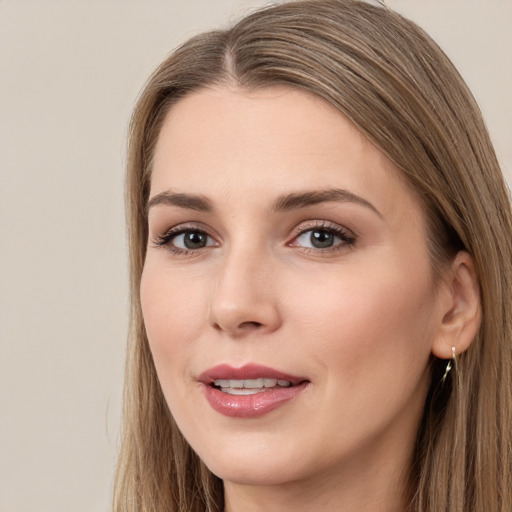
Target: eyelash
(166, 239)
(347, 238)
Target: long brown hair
(401, 91)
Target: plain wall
(70, 71)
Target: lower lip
(250, 406)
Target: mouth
(249, 386)
(249, 391)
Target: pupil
(194, 240)
(321, 239)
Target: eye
(184, 240)
(318, 238)
(191, 240)
(323, 237)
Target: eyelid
(347, 236)
(321, 224)
(164, 239)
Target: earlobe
(461, 308)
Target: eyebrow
(293, 201)
(188, 201)
(298, 200)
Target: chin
(253, 466)
(252, 474)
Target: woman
(321, 275)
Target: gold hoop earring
(449, 366)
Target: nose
(245, 299)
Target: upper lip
(248, 371)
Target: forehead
(232, 142)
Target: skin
(359, 319)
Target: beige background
(70, 71)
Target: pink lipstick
(250, 391)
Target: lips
(249, 391)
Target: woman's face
(287, 291)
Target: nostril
(241, 327)
(250, 325)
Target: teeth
(249, 386)
(252, 383)
(241, 391)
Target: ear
(461, 313)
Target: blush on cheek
(361, 323)
(165, 300)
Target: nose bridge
(243, 299)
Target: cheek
(367, 338)
(172, 309)
(378, 322)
